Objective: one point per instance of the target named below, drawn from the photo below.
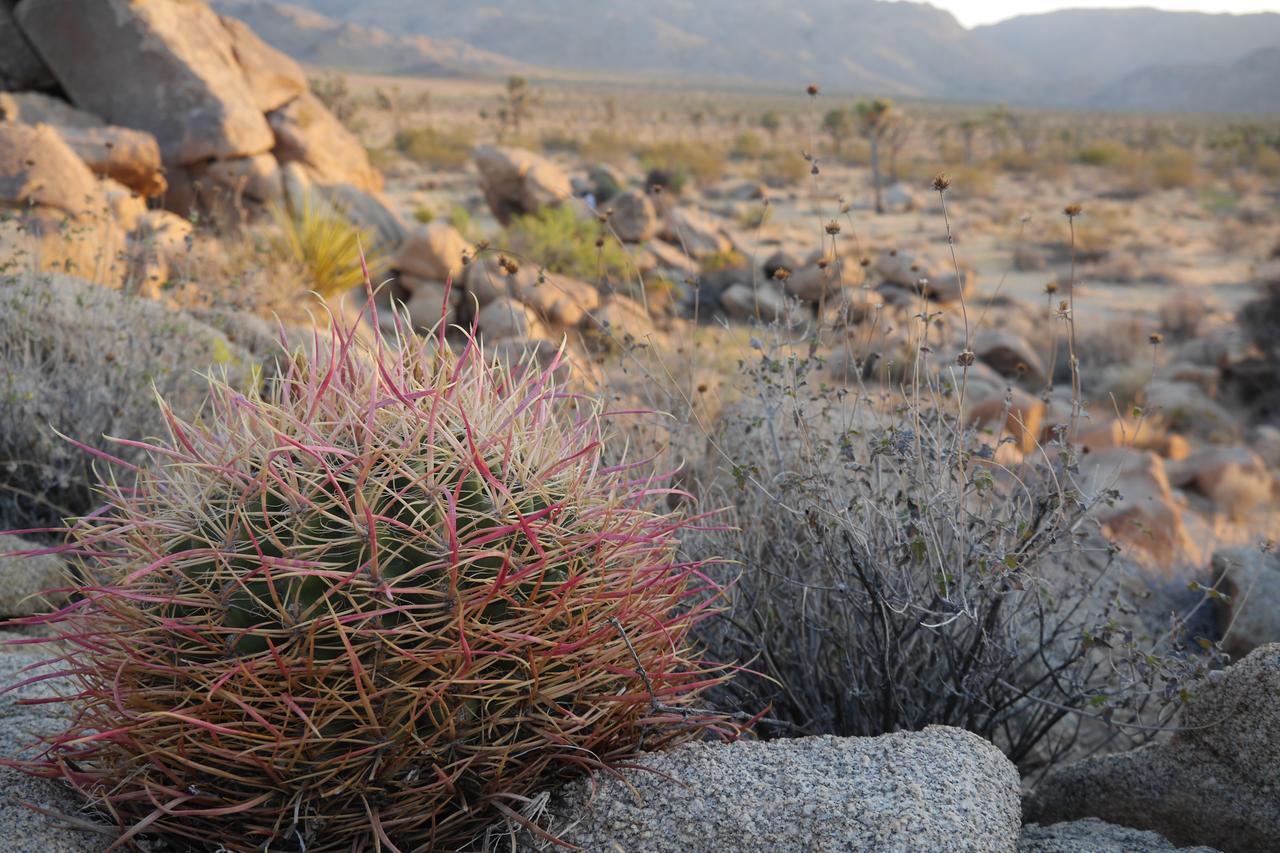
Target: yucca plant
(326, 245)
(379, 606)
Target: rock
(540, 351)
(125, 205)
(158, 246)
(370, 209)
(181, 81)
(433, 252)
(484, 281)
(1091, 835)
(254, 178)
(672, 259)
(274, 79)
(518, 182)
(900, 269)
(634, 218)
(620, 321)
(1011, 356)
(1213, 783)
(782, 259)
(561, 300)
(1144, 514)
(38, 108)
(1184, 406)
(20, 728)
(695, 232)
(1250, 578)
(38, 169)
(1016, 413)
(899, 198)
(939, 789)
(307, 133)
(764, 302)
(947, 287)
(29, 585)
(20, 67)
(131, 157)
(1266, 441)
(65, 219)
(504, 317)
(426, 306)
(814, 283)
(1234, 478)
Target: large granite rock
(166, 68)
(518, 182)
(307, 133)
(1213, 783)
(939, 789)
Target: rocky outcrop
(938, 789)
(632, 217)
(307, 133)
(1213, 783)
(20, 67)
(181, 81)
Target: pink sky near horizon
(973, 13)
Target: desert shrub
(423, 214)
(893, 574)
(747, 146)
(726, 260)
(603, 146)
(685, 161)
(326, 245)
(378, 606)
(556, 239)
(557, 141)
(438, 149)
(1107, 153)
(782, 167)
(83, 359)
(1173, 167)
(974, 181)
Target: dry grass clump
(437, 149)
(86, 361)
(331, 250)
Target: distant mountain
(315, 39)
(894, 48)
(1248, 85)
(1073, 56)
(1120, 58)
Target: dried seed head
(813, 90)
(782, 273)
(941, 182)
(1072, 210)
(702, 388)
(1051, 288)
(833, 227)
(965, 358)
(866, 262)
(1156, 339)
(1063, 306)
(600, 242)
(823, 263)
(509, 266)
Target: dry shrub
(893, 573)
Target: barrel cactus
(381, 604)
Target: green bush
(685, 161)
(557, 240)
(747, 146)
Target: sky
(971, 13)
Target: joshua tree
(838, 124)
(875, 117)
(771, 123)
(517, 105)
